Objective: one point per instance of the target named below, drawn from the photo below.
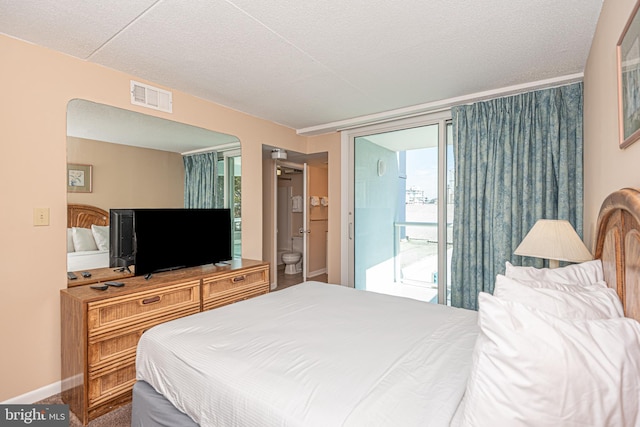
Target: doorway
(401, 209)
(296, 193)
(292, 231)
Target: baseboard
(35, 395)
(316, 273)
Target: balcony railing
(416, 252)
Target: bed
(326, 355)
(87, 237)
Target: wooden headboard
(85, 216)
(618, 246)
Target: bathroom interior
(290, 224)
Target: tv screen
(167, 239)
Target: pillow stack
(81, 239)
(554, 349)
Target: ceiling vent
(151, 97)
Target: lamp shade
(554, 239)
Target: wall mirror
(136, 161)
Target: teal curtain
(518, 159)
(200, 180)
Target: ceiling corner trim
(436, 106)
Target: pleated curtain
(517, 159)
(200, 180)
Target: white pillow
(566, 301)
(584, 273)
(530, 368)
(560, 286)
(83, 240)
(101, 236)
(70, 247)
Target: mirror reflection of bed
(87, 238)
(88, 245)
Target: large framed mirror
(136, 161)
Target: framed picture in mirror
(79, 178)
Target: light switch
(40, 216)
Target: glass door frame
(442, 118)
(229, 173)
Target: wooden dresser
(101, 329)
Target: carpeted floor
(120, 417)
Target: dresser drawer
(109, 384)
(231, 282)
(223, 298)
(222, 290)
(120, 345)
(127, 310)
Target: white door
(305, 221)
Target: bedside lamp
(555, 240)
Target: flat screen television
(167, 239)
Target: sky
(422, 169)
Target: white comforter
(87, 260)
(314, 355)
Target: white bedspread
(314, 355)
(87, 260)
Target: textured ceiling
(305, 64)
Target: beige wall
(37, 84)
(606, 167)
(128, 177)
(331, 144)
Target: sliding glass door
(402, 209)
(228, 191)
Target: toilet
(293, 260)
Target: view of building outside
(418, 253)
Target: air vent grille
(151, 97)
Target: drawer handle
(151, 300)
(239, 279)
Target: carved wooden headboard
(85, 216)
(618, 246)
